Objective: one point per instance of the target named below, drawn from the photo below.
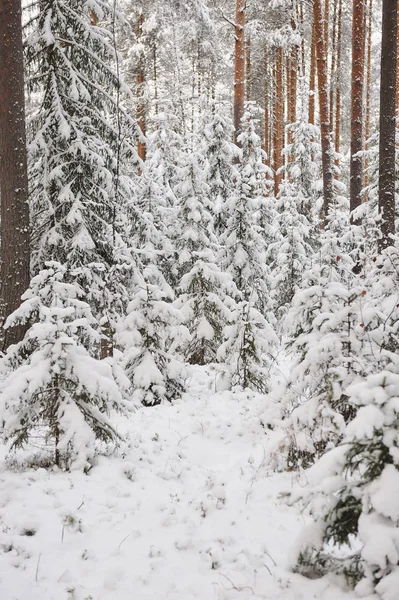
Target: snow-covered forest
(199, 303)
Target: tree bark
(357, 89)
(397, 63)
(279, 121)
(386, 198)
(333, 65)
(239, 67)
(266, 144)
(338, 81)
(312, 76)
(368, 90)
(323, 108)
(13, 170)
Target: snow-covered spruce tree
(249, 339)
(355, 500)
(77, 150)
(290, 253)
(150, 334)
(220, 153)
(52, 382)
(326, 338)
(205, 292)
(293, 251)
(243, 242)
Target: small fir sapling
(151, 332)
(243, 241)
(205, 292)
(247, 349)
(52, 381)
(220, 153)
(326, 337)
(206, 301)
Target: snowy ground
(190, 512)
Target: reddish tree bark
(239, 67)
(279, 121)
(386, 197)
(368, 89)
(357, 90)
(397, 63)
(323, 107)
(333, 65)
(338, 80)
(266, 140)
(312, 76)
(13, 170)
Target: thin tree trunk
(357, 89)
(325, 26)
(386, 199)
(323, 108)
(312, 76)
(248, 68)
(155, 74)
(13, 170)
(266, 144)
(397, 63)
(239, 67)
(293, 84)
(368, 92)
(333, 65)
(338, 81)
(140, 81)
(303, 59)
(279, 121)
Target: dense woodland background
(209, 183)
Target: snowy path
(190, 513)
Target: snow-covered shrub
(155, 373)
(247, 349)
(52, 382)
(326, 338)
(206, 301)
(220, 152)
(355, 504)
(243, 241)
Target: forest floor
(188, 509)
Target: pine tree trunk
(357, 89)
(397, 63)
(368, 91)
(303, 54)
(13, 170)
(239, 67)
(386, 199)
(323, 107)
(293, 84)
(279, 121)
(312, 76)
(333, 65)
(337, 133)
(140, 82)
(325, 26)
(266, 144)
